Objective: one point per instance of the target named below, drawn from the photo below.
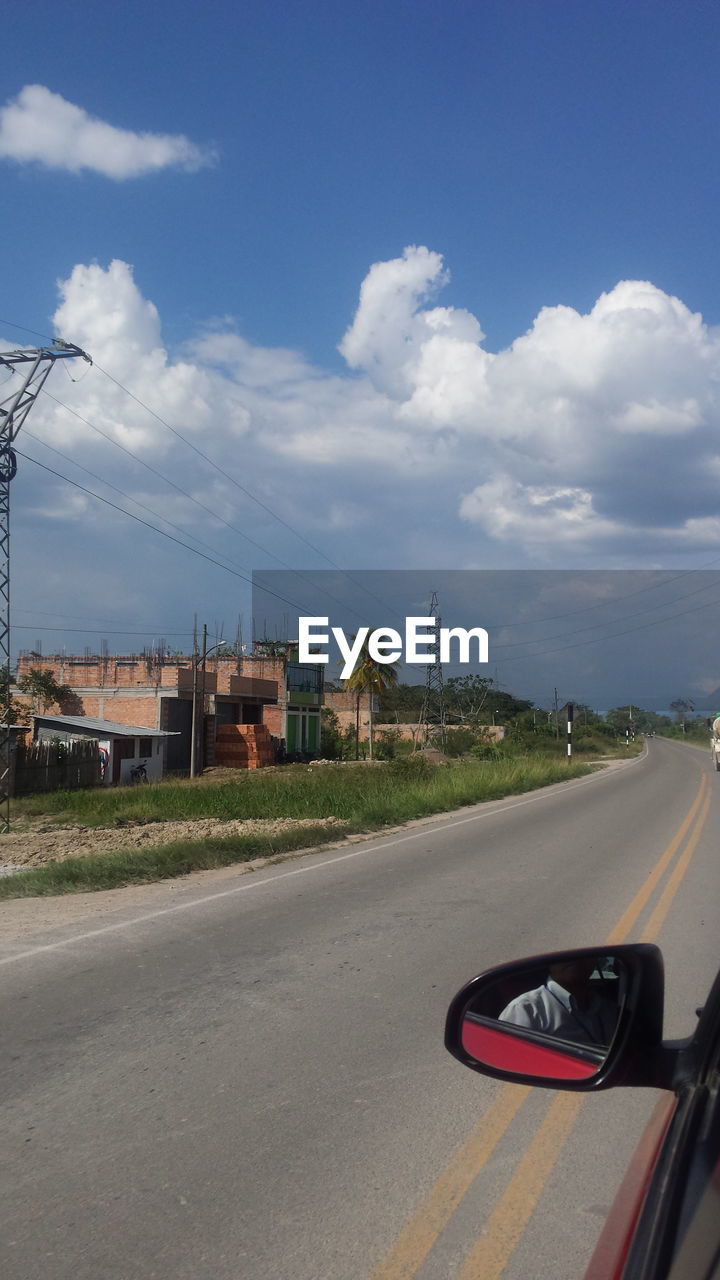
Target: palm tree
(371, 677)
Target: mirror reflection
(573, 1003)
(556, 1021)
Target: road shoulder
(33, 919)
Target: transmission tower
(432, 719)
(33, 364)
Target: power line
(23, 329)
(213, 464)
(610, 623)
(221, 471)
(231, 479)
(264, 506)
(128, 496)
(44, 613)
(283, 599)
(713, 604)
(99, 631)
(33, 366)
(604, 604)
(146, 523)
(166, 479)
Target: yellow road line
(657, 918)
(418, 1237)
(642, 897)
(490, 1255)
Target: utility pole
(198, 705)
(557, 722)
(432, 717)
(32, 364)
(197, 729)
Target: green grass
(689, 740)
(584, 743)
(697, 735)
(358, 794)
(158, 862)
(363, 797)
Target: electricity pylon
(432, 719)
(33, 364)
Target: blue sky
(525, 193)
(547, 150)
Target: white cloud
(389, 334)
(587, 429)
(120, 329)
(592, 439)
(655, 418)
(708, 684)
(253, 366)
(528, 514)
(42, 127)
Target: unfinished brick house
(265, 687)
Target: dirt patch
(46, 842)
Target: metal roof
(105, 726)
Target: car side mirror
(582, 1019)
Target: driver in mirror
(566, 1006)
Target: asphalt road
(243, 1076)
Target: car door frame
(682, 1163)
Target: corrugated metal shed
(108, 727)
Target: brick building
(265, 687)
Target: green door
(292, 732)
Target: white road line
(484, 812)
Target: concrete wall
(344, 704)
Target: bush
(385, 744)
(415, 768)
(486, 751)
(459, 741)
(331, 737)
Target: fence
(55, 765)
